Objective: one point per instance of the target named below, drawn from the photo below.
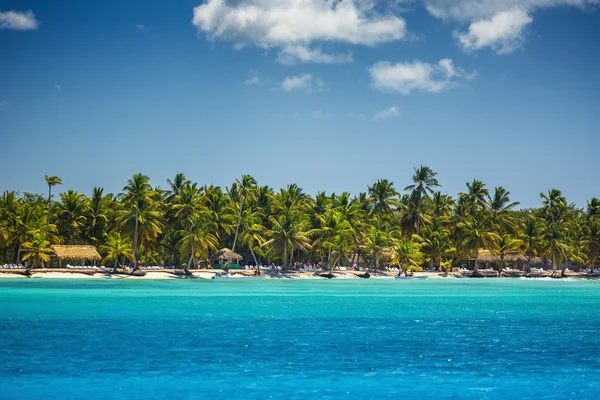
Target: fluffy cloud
(468, 10)
(387, 113)
(298, 53)
(293, 25)
(503, 32)
(21, 21)
(418, 75)
(297, 83)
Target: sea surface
(298, 339)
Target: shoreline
(241, 274)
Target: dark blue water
(495, 339)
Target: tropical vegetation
(186, 223)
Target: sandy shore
(208, 274)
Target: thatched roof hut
(226, 256)
(76, 252)
(489, 257)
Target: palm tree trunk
(135, 237)
(553, 263)
(476, 267)
(284, 256)
(255, 261)
(48, 218)
(239, 221)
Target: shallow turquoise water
(495, 339)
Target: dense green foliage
(186, 223)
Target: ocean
(299, 339)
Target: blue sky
(329, 95)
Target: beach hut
(75, 253)
(488, 258)
(226, 259)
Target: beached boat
(402, 276)
(219, 275)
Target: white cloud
(468, 10)
(297, 83)
(502, 33)
(293, 25)
(317, 114)
(2, 103)
(387, 113)
(21, 21)
(141, 27)
(418, 75)
(255, 80)
(294, 54)
(57, 86)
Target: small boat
(219, 275)
(402, 276)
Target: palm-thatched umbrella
(226, 256)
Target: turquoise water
(257, 339)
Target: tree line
(186, 223)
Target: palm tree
(38, 250)
(553, 205)
(553, 211)
(244, 186)
(556, 245)
(376, 240)
(424, 182)
(530, 236)
(407, 253)
(51, 181)
(221, 212)
(500, 208)
(590, 240)
(288, 234)
(507, 244)
(115, 247)
(73, 210)
(198, 239)
(98, 215)
(136, 193)
(476, 196)
(383, 197)
(474, 234)
(251, 232)
(436, 246)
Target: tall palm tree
(424, 182)
(222, 213)
(51, 181)
(476, 196)
(553, 211)
(500, 209)
(382, 196)
(244, 186)
(74, 207)
(98, 215)
(135, 193)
